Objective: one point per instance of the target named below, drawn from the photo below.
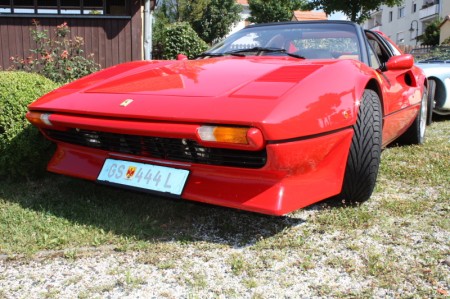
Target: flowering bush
(60, 59)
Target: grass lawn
(401, 234)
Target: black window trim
(64, 16)
(383, 42)
(35, 7)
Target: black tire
(430, 103)
(365, 151)
(416, 132)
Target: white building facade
(405, 22)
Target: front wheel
(365, 151)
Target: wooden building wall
(111, 39)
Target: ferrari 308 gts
(272, 119)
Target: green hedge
(23, 150)
(180, 38)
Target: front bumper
(297, 173)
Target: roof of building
(242, 2)
(446, 19)
(300, 15)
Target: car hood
(233, 90)
(203, 78)
(149, 81)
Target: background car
(272, 119)
(438, 73)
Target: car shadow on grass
(140, 216)
(440, 118)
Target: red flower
(62, 26)
(65, 54)
(48, 57)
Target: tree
(174, 11)
(180, 38)
(356, 10)
(161, 22)
(430, 36)
(264, 11)
(217, 20)
(211, 19)
(182, 10)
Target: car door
(401, 92)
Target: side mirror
(400, 62)
(182, 57)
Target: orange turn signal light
(223, 134)
(39, 119)
(245, 137)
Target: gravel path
(327, 264)
(206, 275)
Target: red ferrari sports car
(272, 119)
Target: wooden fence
(112, 40)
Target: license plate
(143, 176)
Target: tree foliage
(217, 19)
(210, 19)
(430, 36)
(182, 10)
(446, 41)
(180, 38)
(265, 11)
(356, 10)
(161, 22)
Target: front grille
(184, 150)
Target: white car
(438, 74)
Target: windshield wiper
(295, 55)
(210, 54)
(258, 49)
(267, 50)
(241, 52)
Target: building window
(66, 7)
(24, 6)
(390, 16)
(117, 7)
(414, 7)
(401, 12)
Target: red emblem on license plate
(130, 172)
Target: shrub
(180, 38)
(217, 20)
(446, 41)
(431, 34)
(23, 150)
(60, 59)
(440, 53)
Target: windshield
(308, 40)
